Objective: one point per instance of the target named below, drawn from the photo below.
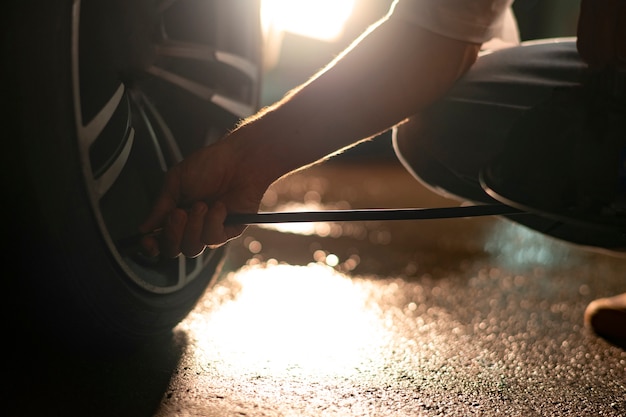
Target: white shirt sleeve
(476, 21)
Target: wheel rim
(152, 81)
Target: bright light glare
(287, 319)
(318, 19)
(304, 228)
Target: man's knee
(414, 149)
(407, 137)
(411, 145)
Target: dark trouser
(447, 146)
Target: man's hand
(197, 195)
(365, 91)
(602, 33)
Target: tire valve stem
(130, 246)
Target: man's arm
(391, 72)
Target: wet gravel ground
(420, 318)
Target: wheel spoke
(154, 140)
(189, 269)
(239, 63)
(88, 133)
(238, 108)
(172, 146)
(130, 129)
(200, 261)
(182, 270)
(108, 178)
(199, 52)
(235, 107)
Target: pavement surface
(406, 318)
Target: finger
(192, 244)
(165, 203)
(173, 230)
(233, 232)
(213, 233)
(150, 246)
(157, 216)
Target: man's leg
(447, 147)
(468, 128)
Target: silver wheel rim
(126, 124)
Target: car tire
(101, 98)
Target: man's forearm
(389, 74)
